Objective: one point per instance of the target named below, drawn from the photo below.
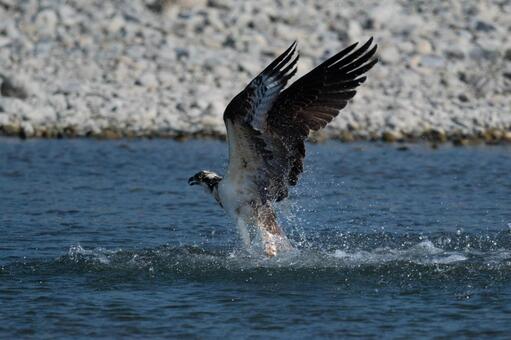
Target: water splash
(410, 259)
(424, 253)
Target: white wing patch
(266, 87)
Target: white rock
(432, 61)
(58, 102)
(68, 15)
(424, 47)
(44, 115)
(355, 30)
(390, 54)
(15, 107)
(4, 41)
(250, 67)
(149, 80)
(46, 23)
(27, 129)
(4, 119)
(116, 24)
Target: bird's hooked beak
(192, 181)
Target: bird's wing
(267, 126)
(253, 159)
(251, 105)
(315, 99)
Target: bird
(267, 125)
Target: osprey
(267, 125)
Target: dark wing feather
(314, 100)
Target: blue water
(106, 239)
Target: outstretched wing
(267, 127)
(252, 158)
(252, 105)
(315, 99)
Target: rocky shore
(167, 68)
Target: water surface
(105, 238)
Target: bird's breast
(234, 195)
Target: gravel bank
(168, 68)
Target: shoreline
(434, 137)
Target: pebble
(432, 61)
(4, 41)
(46, 23)
(4, 119)
(27, 129)
(424, 47)
(149, 81)
(390, 55)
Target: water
(106, 239)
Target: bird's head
(207, 179)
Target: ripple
(418, 263)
